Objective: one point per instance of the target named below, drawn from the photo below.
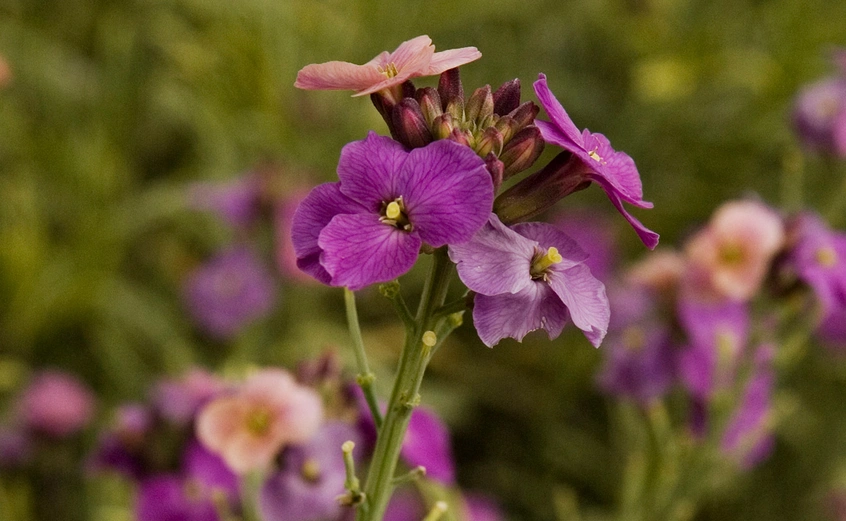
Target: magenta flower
(818, 257)
(427, 444)
(369, 227)
(614, 171)
(530, 277)
(413, 58)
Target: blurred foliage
(115, 106)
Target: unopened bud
(507, 127)
(507, 97)
(490, 141)
(385, 105)
(451, 91)
(480, 105)
(495, 168)
(524, 114)
(442, 126)
(410, 125)
(429, 339)
(462, 137)
(430, 104)
(522, 151)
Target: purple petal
(563, 124)
(318, 208)
(585, 298)
(209, 469)
(616, 168)
(448, 192)
(368, 170)
(515, 315)
(496, 260)
(649, 238)
(359, 250)
(548, 236)
(427, 443)
(167, 498)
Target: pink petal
(446, 60)
(585, 298)
(337, 75)
(412, 57)
(220, 421)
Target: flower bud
(563, 175)
(507, 97)
(507, 127)
(430, 104)
(495, 168)
(451, 92)
(522, 151)
(385, 105)
(490, 141)
(442, 126)
(462, 137)
(480, 105)
(410, 125)
(524, 114)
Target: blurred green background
(114, 107)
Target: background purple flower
(172, 498)
(229, 291)
(236, 202)
(55, 403)
(819, 115)
(427, 443)
(369, 227)
(818, 257)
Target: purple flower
(819, 258)
(56, 404)
(229, 291)
(210, 471)
(310, 480)
(596, 160)
(369, 227)
(819, 115)
(236, 202)
(172, 498)
(121, 448)
(179, 400)
(530, 277)
(427, 444)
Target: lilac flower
(818, 257)
(310, 480)
(56, 404)
(427, 444)
(369, 227)
(530, 277)
(405, 505)
(121, 448)
(228, 292)
(237, 202)
(614, 171)
(819, 115)
(209, 471)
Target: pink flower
(416, 57)
(56, 404)
(249, 428)
(732, 255)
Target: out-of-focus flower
(15, 448)
(640, 363)
(660, 271)
(818, 256)
(819, 115)
(249, 427)
(369, 227)
(733, 252)
(237, 202)
(405, 505)
(593, 160)
(179, 400)
(229, 291)
(530, 277)
(413, 58)
(832, 329)
(482, 508)
(171, 498)
(748, 436)
(312, 476)
(56, 404)
(207, 470)
(427, 444)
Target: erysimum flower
(530, 277)
(249, 428)
(614, 171)
(818, 256)
(369, 227)
(416, 57)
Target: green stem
(365, 377)
(405, 394)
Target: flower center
(731, 254)
(258, 422)
(310, 471)
(393, 214)
(390, 70)
(826, 257)
(542, 261)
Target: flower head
(249, 428)
(369, 227)
(530, 277)
(413, 58)
(818, 256)
(56, 403)
(819, 115)
(596, 160)
(228, 292)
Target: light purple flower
(614, 171)
(56, 404)
(230, 291)
(310, 480)
(427, 444)
(236, 202)
(530, 277)
(369, 227)
(818, 257)
(819, 115)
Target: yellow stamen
(310, 470)
(826, 257)
(596, 157)
(390, 70)
(393, 210)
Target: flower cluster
(434, 183)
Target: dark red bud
(507, 97)
(480, 105)
(522, 151)
(495, 168)
(450, 89)
(524, 114)
(410, 125)
(462, 137)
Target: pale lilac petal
(584, 297)
(448, 192)
(318, 208)
(359, 250)
(649, 238)
(337, 75)
(548, 236)
(445, 60)
(369, 169)
(557, 114)
(496, 260)
(515, 315)
(412, 57)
